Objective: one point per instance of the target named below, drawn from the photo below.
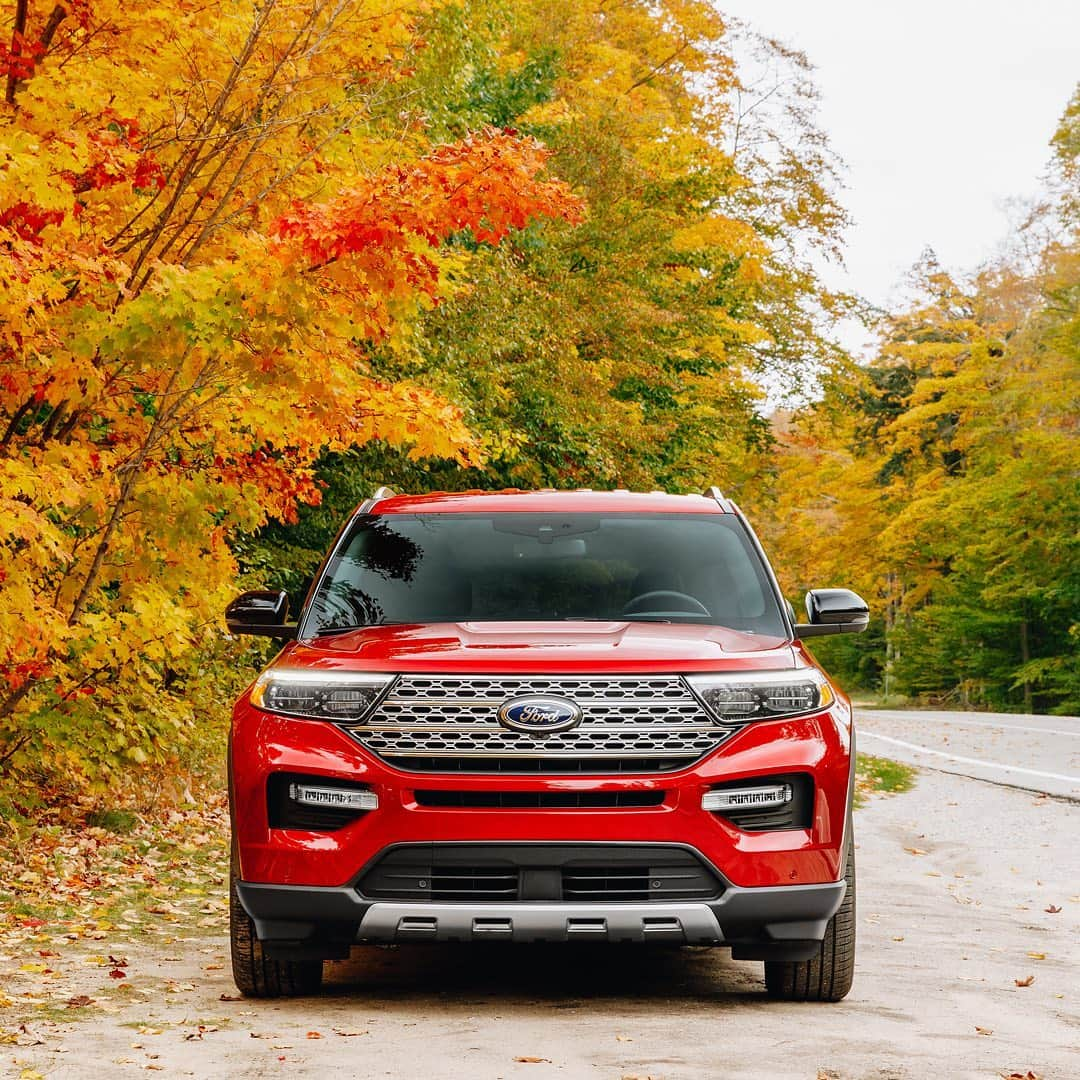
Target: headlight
(320, 695)
(740, 697)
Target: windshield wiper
(329, 631)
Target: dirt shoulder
(965, 970)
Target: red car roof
(547, 501)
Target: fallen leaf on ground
(1027, 980)
(1029, 1075)
(1037, 955)
(1053, 909)
(79, 1001)
(915, 850)
(313, 1035)
(623, 1038)
(202, 1030)
(231, 997)
(533, 1060)
(116, 973)
(347, 1034)
(984, 1031)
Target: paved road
(966, 889)
(1039, 753)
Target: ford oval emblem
(539, 715)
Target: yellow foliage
(208, 223)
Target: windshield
(424, 568)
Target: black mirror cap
(834, 611)
(262, 611)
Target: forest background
(259, 258)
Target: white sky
(942, 112)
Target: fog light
(764, 798)
(336, 798)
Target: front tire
(258, 975)
(828, 975)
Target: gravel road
(968, 889)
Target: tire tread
(258, 975)
(828, 975)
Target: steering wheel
(692, 605)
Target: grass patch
(122, 822)
(878, 774)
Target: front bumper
(819, 746)
(782, 922)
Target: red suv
(544, 717)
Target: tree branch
(18, 32)
(56, 17)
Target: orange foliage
(205, 226)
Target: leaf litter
(69, 882)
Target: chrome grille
(432, 723)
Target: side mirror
(834, 611)
(263, 612)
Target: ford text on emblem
(539, 715)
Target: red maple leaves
(110, 163)
(27, 220)
(488, 184)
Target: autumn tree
(941, 478)
(208, 227)
(630, 350)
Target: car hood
(542, 647)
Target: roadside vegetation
(940, 480)
(881, 775)
(279, 254)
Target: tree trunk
(18, 32)
(890, 623)
(1025, 656)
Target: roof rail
(714, 493)
(381, 492)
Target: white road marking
(863, 733)
(990, 724)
